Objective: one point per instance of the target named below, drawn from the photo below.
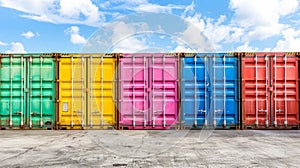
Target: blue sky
(229, 25)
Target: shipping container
(209, 91)
(27, 90)
(86, 91)
(270, 90)
(148, 91)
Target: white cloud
(29, 34)
(181, 48)
(140, 6)
(236, 33)
(34, 6)
(267, 50)
(246, 48)
(195, 39)
(130, 45)
(196, 20)
(74, 9)
(215, 31)
(76, 38)
(58, 11)
(189, 10)
(81, 11)
(3, 43)
(251, 20)
(105, 4)
(124, 38)
(261, 13)
(218, 31)
(155, 8)
(261, 19)
(16, 47)
(290, 41)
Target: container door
(12, 110)
(194, 91)
(134, 89)
(72, 92)
(100, 92)
(224, 100)
(41, 92)
(256, 81)
(163, 95)
(284, 99)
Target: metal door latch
(77, 111)
(218, 110)
(157, 111)
(262, 110)
(140, 111)
(202, 111)
(279, 110)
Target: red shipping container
(270, 90)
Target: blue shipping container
(207, 98)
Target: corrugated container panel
(270, 90)
(86, 91)
(209, 91)
(148, 96)
(27, 91)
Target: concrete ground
(111, 148)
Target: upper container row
(149, 91)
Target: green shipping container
(27, 90)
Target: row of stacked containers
(149, 91)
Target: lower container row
(149, 91)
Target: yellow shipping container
(86, 91)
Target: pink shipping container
(148, 91)
(270, 90)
